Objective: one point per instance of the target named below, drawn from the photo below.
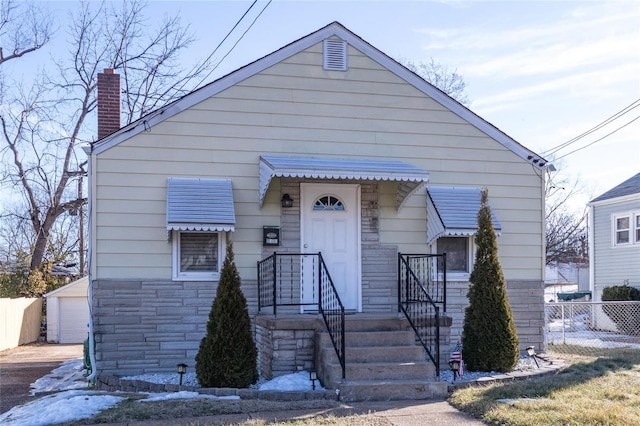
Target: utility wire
(598, 140)
(626, 110)
(236, 43)
(220, 44)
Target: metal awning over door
(409, 177)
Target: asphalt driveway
(21, 366)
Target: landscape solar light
(313, 376)
(454, 366)
(182, 368)
(531, 351)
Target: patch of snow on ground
(70, 375)
(291, 382)
(61, 407)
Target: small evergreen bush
(227, 356)
(489, 337)
(626, 317)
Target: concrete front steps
(382, 362)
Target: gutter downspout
(90, 180)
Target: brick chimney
(108, 102)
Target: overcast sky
(543, 72)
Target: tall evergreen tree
(227, 356)
(489, 337)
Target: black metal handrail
(420, 276)
(279, 285)
(332, 310)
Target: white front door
(330, 224)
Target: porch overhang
(200, 205)
(409, 177)
(453, 211)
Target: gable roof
(628, 187)
(334, 29)
(80, 282)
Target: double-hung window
(197, 255)
(459, 252)
(626, 228)
(200, 212)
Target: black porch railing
(421, 293)
(298, 280)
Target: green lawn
(597, 390)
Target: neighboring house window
(626, 228)
(197, 255)
(459, 254)
(622, 230)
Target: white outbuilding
(68, 313)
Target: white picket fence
(19, 321)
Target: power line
(220, 44)
(236, 43)
(598, 140)
(612, 118)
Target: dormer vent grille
(335, 55)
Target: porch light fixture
(313, 376)
(182, 368)
(531, 351)
(286, 201)
(454, 366)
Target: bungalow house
(342, 179)
(614, 237)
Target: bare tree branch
(42, 130)
(566, 232)
(24, 28)
(445, 79)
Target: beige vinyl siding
(297, 108)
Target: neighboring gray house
(339, 175)
(614, 237)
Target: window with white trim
(459, 252)
(198, 255)
(626, 229)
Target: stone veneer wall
(286, 345)
(150, 326)
(526, 298)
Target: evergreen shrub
(489, 337)
(227, 356)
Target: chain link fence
(589, 328)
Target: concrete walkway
(398, 413)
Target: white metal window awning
(454, 211)
(200, 205)
(409, 177)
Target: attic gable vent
(335, 55)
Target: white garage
(68, 313)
